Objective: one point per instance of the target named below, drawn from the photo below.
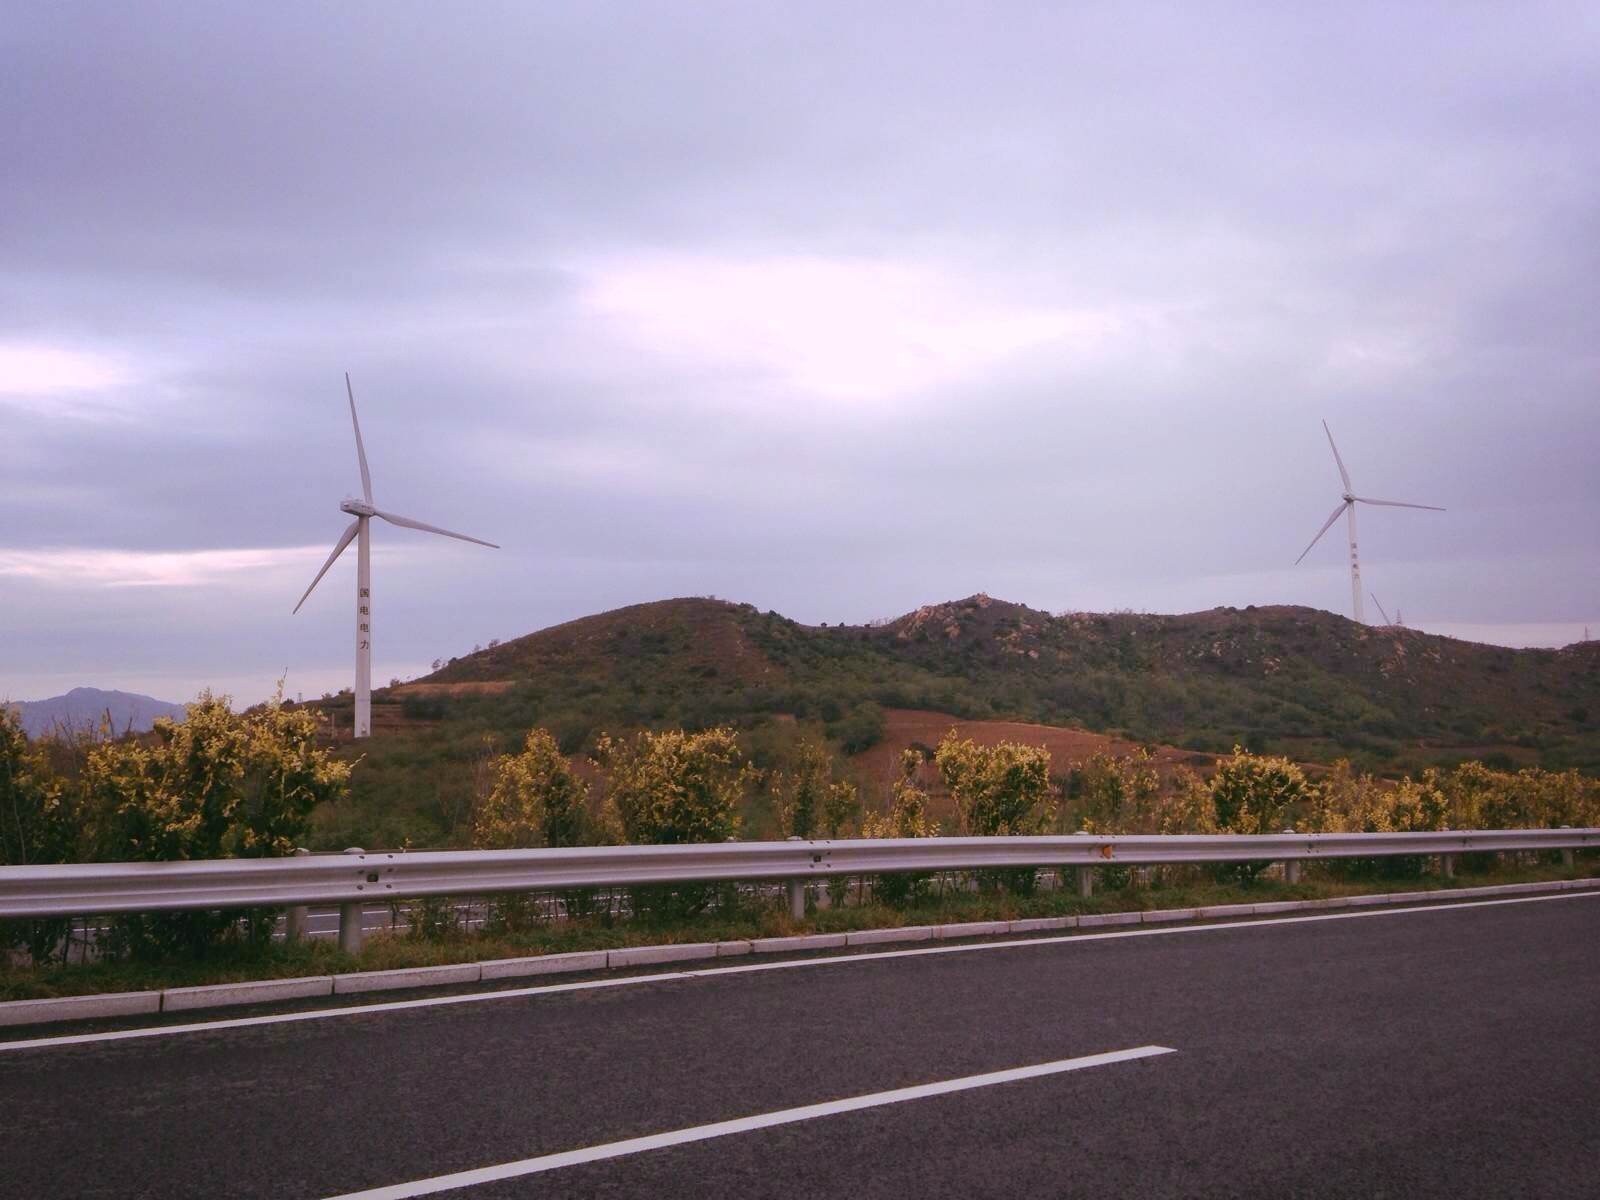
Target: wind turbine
(1385, 615)
(363, 512)
(1348, 506)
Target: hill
(1283, 679)
(83, 708)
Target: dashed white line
(700, 1133)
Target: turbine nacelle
(357, 508)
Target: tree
(38, 826)
(806, 790)
(218, 784)
(998, 790)
(1002, 790)
(1253, 793)
(1119, 793)
(536, 799)
(907, 818)
(673, 787)
(839, 807)
(1348, 802)
(669, 788)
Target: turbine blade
(338, 549)
(1400, 504)
(361, 451)
(1386, 620)
(410, 524)
(1343, 474)
(1327, 525)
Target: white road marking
(700, 1133)
(320, 1014)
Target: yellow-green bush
(805, 790)
(907, 817)
(535, 799)
(217, 784)
(1119, 793)
(998, 790)
(669, 788)
(39, 825)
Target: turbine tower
(363, 512)
(1347, 506)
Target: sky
(837, 309)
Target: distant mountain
(86, 708)
(1293, 680)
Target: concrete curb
(901, 933)
(257, 991)
(226, 995)
(406, 977)
(79, 1008)
(544, 964)
(800, 941)
(638, 956)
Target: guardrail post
(1568, 859)
(1085, 875)
(294, 921)
(797, 893)
(1291, 867)
(1447, 866)
(350, 919)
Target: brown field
(477, 687)
(876, 768)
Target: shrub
(907, 817)
(1003, 789)
(1350, 803)
(806, 790)
(1119, 793)
(839, 807)
(215, 785)
(1253, 793)
(999, 790)
(669, 788)
(536, 799)
(38, 826)
(859, 729)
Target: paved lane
(1451, 1053)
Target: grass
(752, 919)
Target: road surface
(1452, 1052)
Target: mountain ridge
(1283, 676)
(83, 709)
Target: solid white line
(379, 1007)
(699, 1133)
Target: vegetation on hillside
(1306, 685)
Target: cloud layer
(837, 309)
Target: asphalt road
(1451, 1053)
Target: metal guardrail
(363, 877)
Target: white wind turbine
(1348, 506)
(357, 531)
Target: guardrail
(358, 877)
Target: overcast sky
(835, 309)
